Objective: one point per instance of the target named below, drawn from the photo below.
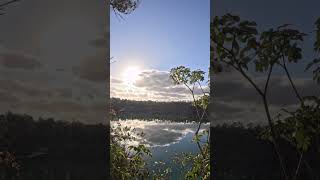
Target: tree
(238, 44)
(126, 160)
(200, 163)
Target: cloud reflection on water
(160, 133)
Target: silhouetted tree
(238, 44)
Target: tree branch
(268, 79)
(7, 3)
(290, 79)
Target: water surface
(165, 139)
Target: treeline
(46, 148)
(148, 110)
(50, 148)
(239, 153)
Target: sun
(131, 75)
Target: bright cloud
(151, 85)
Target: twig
(7, 3)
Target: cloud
(152, 85)
(280, 92)
(6, 97)
(101, 42)
(25, 89)
(94, 68)
(115, 81)
(154, 79)
(36, 65)
(19, 61)
(64, 92)
(234, 99)
(58, 106)
(57, 102)
(161, 133)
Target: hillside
(175, 111)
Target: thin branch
(201, 150)
(7, 3)
(118, 15)
(268, 79)
(266, 107)
(198, 115)
(273, 133)
(298, 167)
(290, 79)
(250, 80)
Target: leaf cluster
(127, 161)
(197, 166)
(301, 128)
(124, 6)
(237, 43)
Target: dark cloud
(19, 61)
(101, 42)
(236, 100)
(40, 43)
(234, 88)
(6, 97)
(28, 90)
(64, 92)
(58, 106)
(234, 91)
(93, 69)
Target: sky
(234, 98)
(53, 58)
(158, 36)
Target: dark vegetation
(174, 111)
(240, 153)
(45, 148)
(294, 135)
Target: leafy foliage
(124, 6)
(238, 36)
(127, 160)
(183, 75)
(301, 127)
(197, 165)
(238, 44)
(202, 102)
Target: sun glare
(131, 75)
